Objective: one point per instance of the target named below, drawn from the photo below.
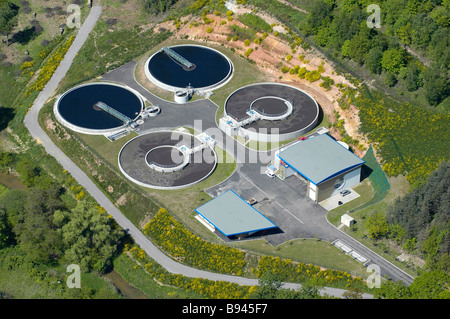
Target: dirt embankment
(270, 57)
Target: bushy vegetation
(203, 287)
(181, 244)
(410, 139)
(289, 271)
(340, 28)
(423, 215)
(158, 6)
(49, 67)
(282, 11)
(255, 22)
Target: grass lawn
(399, 187)
(145, 283)
(320, 253)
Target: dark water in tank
(211, 67)
(77, 106)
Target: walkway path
(31, 122)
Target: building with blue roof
(327, 165)
(232, 216)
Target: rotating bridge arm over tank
(178, 58)
(108, 109)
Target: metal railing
(108, 109)
(178, 58)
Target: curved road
(31, 122)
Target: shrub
(312, 76)
(327, 82)
(302, 72)
(285, 69)
(176, 240)
(255, 22)
(50, 67)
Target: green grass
(399, 187)
(320, 253)
(108, 49)
(107, 149)
(365, 191)
(136, 276)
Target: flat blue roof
(232, 215)
(319, 158)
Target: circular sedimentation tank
(285, 112)
(162, 160)
(199, 68)
(79, 108)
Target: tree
(436, 85)
(35, 231)
(431, 285)
(393, 60)
(392, 290)
(377, 226)
(28, 172)
(90, 237)
(373, 60)
(352, 293)
(268, 287)
(5, 232)
(390, 79)
(412, 77)
(8, 18)
(5, 159)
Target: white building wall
(351, 179)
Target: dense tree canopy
(8, 13)
(90, 237)
(340, 27)
(423, 214)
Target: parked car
(270, 173)
(252, 201)
(345, 192)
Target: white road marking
(282, 207)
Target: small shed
(347, 220)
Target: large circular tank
(79, 108)
(162, 160)
(285, 112)
(199, 68)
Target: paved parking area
(283, 202)
(333, 201)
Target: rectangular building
(326, 165)
(231, 215)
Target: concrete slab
(333, 201)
